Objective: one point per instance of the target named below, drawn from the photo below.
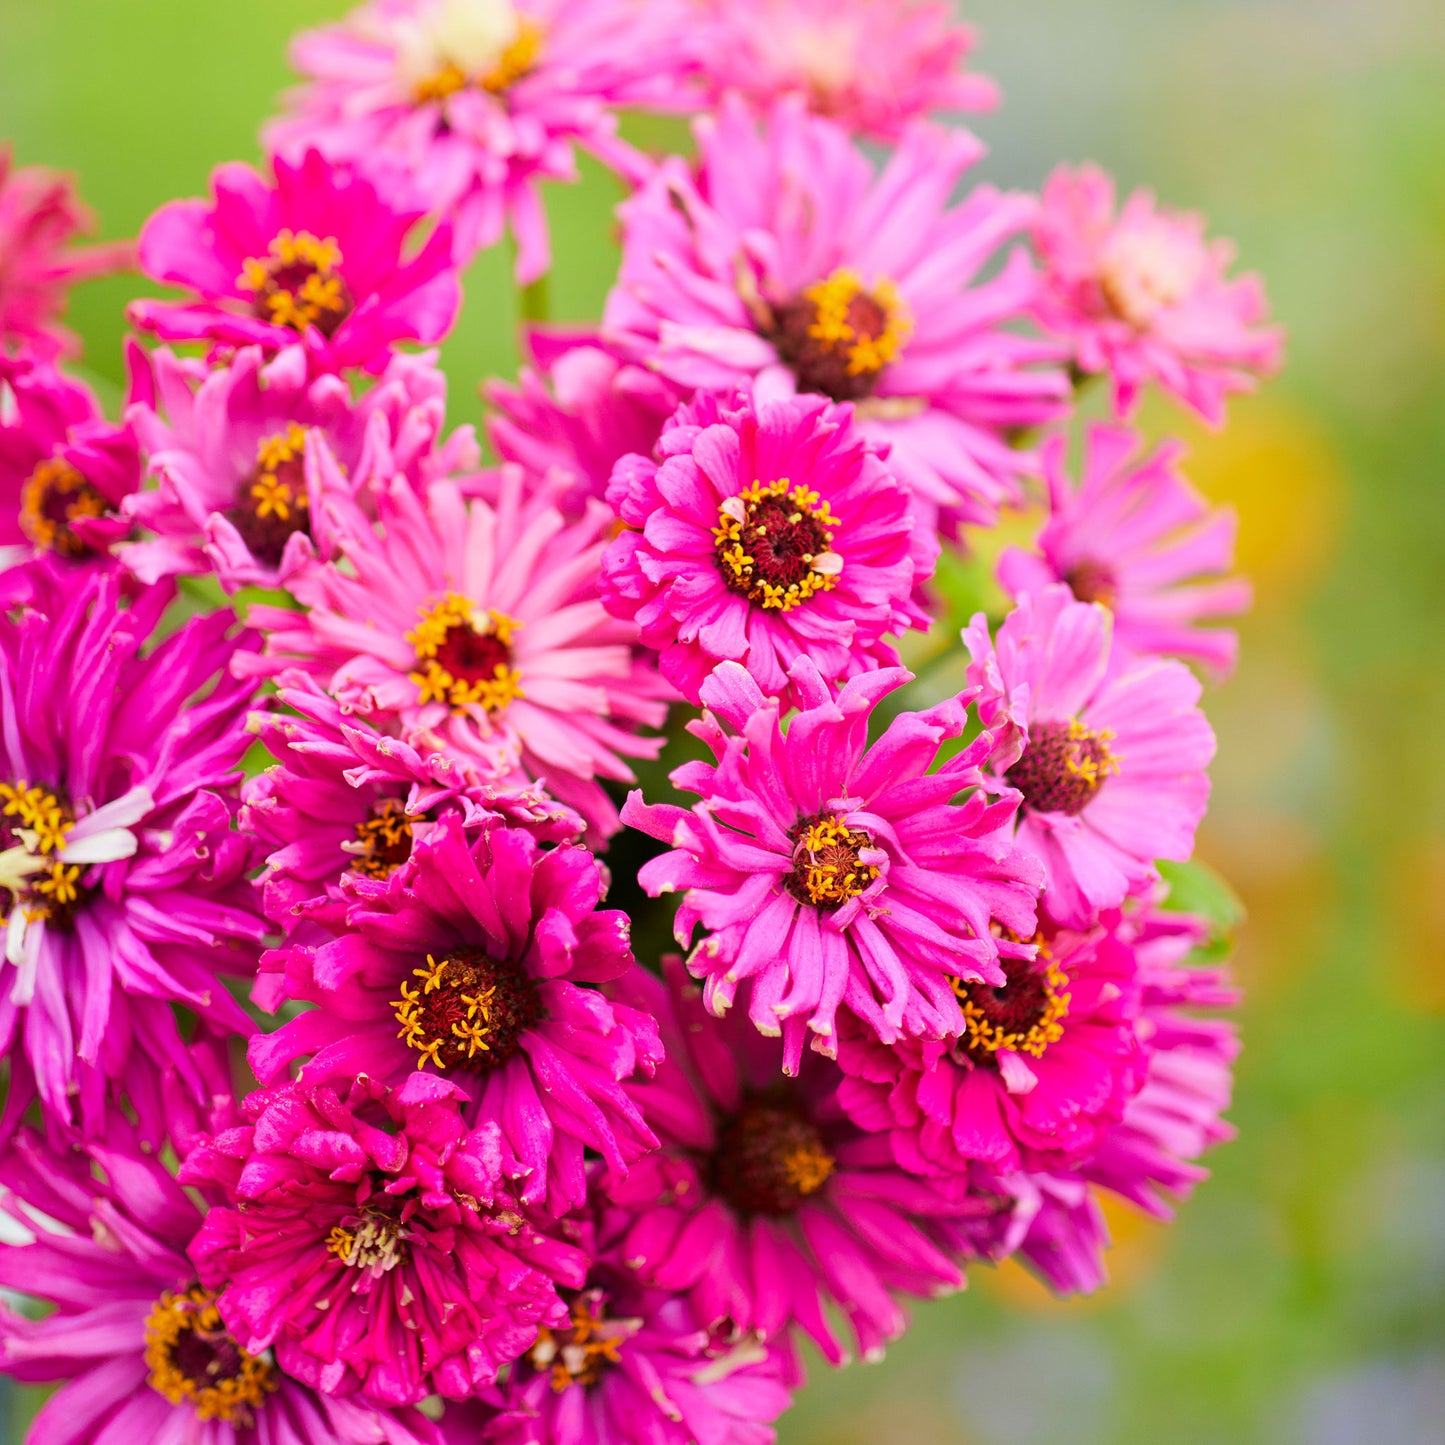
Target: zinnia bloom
(632, 1365)
(481, 624)
(40, 216)
(828, 873)
(1109, 755)
(765, 532)
(1143, 295)
(473, 964)
(786, 262)
(317, 254)
(249, 458)
(136, 1343)
(576, 412)
(125, 886)
(874, 66)
(481, 100)
(64, 469)
(369, 1242)
(1135, 536)
(344, 799)
(767, 1205)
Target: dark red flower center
(1063, 766)
(56, 496)
(274, 505)
(1022, 1014)
(583, 1352)
(838, 336)
(383, 841)
(297, 284)
(774, 546)
(193, 1359)
(1093, 582)
(464, 656)
(468, 1010)
(769, 1159)
(827, 868)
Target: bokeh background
(1300, 1298)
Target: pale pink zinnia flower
(482, 624)
(871, 65)
(480, 100)
(40, 216)
(1135, 536)
(789, 264)
(1110, 755)
(1143, 295)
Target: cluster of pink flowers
(318, 736)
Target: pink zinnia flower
(631, 1365)
(481, 624)
(345, 799)
(317, 254)
(40, 216)
(767, 1205)
(125, 886)
(369, 1242)
(576, 412)
(874, 66)
(248, 459)
(761, 533)
(831, 874)
(137, 1345)
(1135, 536)
(64, 469)
(482, 954)
(788, 263)
(481, 100)
(1143, 295)
(1110, 754)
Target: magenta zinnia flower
(789, 264)
(249, 457)
(345, 799)
(125, 885)
(1143, 295)
(64, 469)
(576, 413)
(765, 532)
(481, 100)
(1136, 537)
(317, 254)
(137, 1345)
(483, 625)
(831, 874)
(370, 1244)
(1110, 755)
(631, 1365)
(482, 955)
(874, 66)
(767, 1205)
(40, 216)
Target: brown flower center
(374, 1241)
(1063, 766)
(769, 1159)
(464, 656)
(773, 545)
(297, 283)
(192, 1358)
(275, 505)
(469, 1011)
(827, 870)
(1093, 582)
(383, 841)
(838, 336)
(1023, 1014)
(587, 1349)
(54, 497)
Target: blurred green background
(1300, 1298)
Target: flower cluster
(318, 738)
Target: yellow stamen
(832, 327)
(215, 1395)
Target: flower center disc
(838, 336)
(464, 656)
(383, 841)
(276, 505)
(192, 1357)
(1145, 271)
(773, 545)
(1093, 582)
(1023, 1014)
(1063, 766)
(54, 496)
(769, 1159)
(373, 1241)
(581, 1354)
(827, 871)
(34, 826)
(515, 63)
(469, 1011)
(297, 284)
